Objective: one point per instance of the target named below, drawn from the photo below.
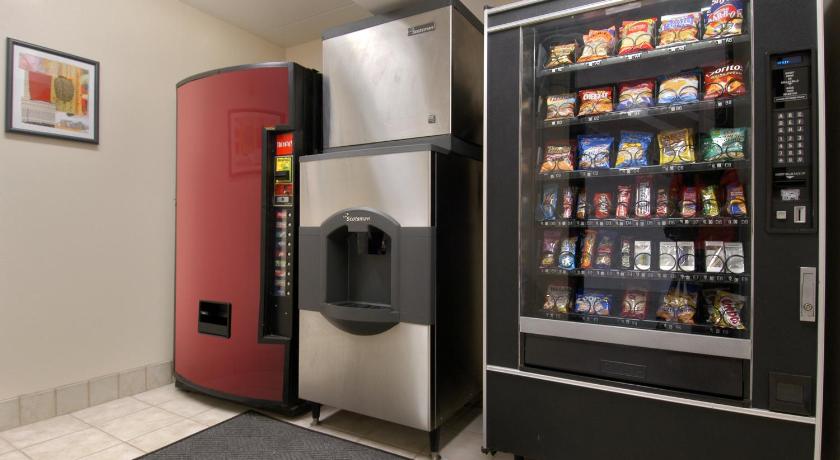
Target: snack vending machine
(655, 229)
(235, 261)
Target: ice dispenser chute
(360, 259)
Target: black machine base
(289, 409)
(581, 423)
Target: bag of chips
(560, 107)
(635, 95)
(626, 260)
(622, 206)
(724, 18)
(724, 144)
(548, 208)
(736, 202)
(558, 158)
(634, 305)
(724, 81)
(568, 202)
(560, 54)
(551, 241)
(596, 101)
(598, 44)
(636, 36)
(602, 202)
(725, 310)
(644, 195)
(594, 151)
(590, 302)
(567, 256)
(710, 202)
(676, 29)
(582, 210)
(558, 298)
(679, 89)
(604, 252)
(678, 305)
(676, 147)
(587, 249)
(688, 203)
(633, 149)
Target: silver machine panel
(398, 185)
(401, 80)
(386, 376)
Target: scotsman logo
(348, 218)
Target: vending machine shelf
(705, 166)
(695, 277)
(670, 222)
(685, 49)
(652, 112)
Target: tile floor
(129, 427)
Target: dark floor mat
(253, 436)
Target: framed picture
(50, 93)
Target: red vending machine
(235, 335)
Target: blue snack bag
(594, 151)
(633, 149)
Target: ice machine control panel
(792, 147)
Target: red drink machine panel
(226, 343)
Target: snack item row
(645, 198)
(721, 18)
(678, 305)
(722, 81)
(633, 150)
(607, 250)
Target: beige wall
(87, 232)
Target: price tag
(631, 57)
(676, 108)
(593, 63)
(594, 118)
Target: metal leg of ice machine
(390, 323)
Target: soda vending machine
(655, 230)
(235, 286)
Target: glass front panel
(636, 169)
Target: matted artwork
(50, 93)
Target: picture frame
(51, 93)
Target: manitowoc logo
(349, 218)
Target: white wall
(87, 232)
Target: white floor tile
(403, 437)
(35, 433)
(465, 446)
(188, 407)
(476, 425)
(140, 423)
(72, 446)
(5, 447)
(104, 413)
(216, 415)
(321, 428)
(165, 436)
(160, 395)
(387, 448)
(14, 455)
(350, 422)
(121, 451)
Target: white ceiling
(291, 22)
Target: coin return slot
(799, 215)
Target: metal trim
(484, 246)
(654, 396)
(660, 340)
(821, 277)
(752, 195)
(558, 14)
(509, 6)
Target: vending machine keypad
(792, 197)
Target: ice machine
(390, 319)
